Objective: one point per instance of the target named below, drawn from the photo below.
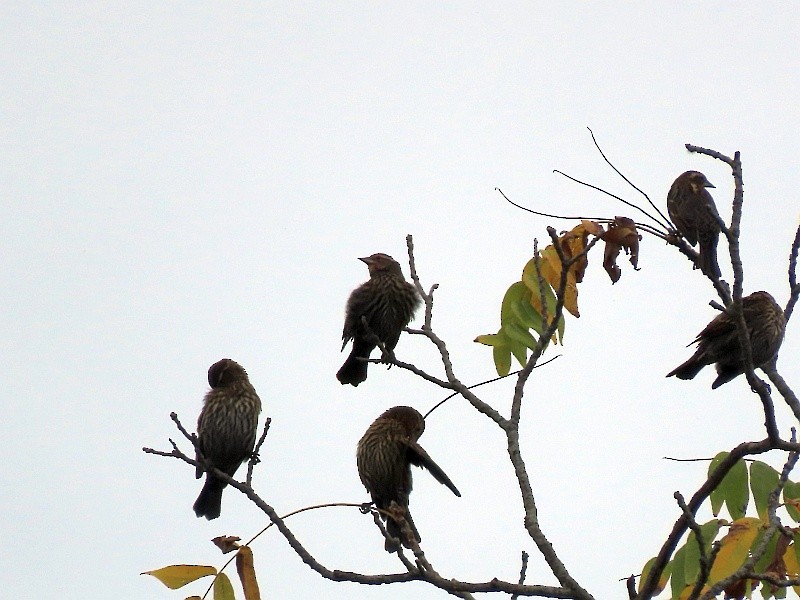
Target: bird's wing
(719, 325)
(419, 457)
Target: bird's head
(409, 418)
(697, 181)
(224, 372)
(381, 263)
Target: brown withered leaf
(737, 590)
(777, 567)
(227, 543)
(247, 573)
(621, 234)
(592, 227)
(573, 242)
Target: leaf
(223, 590)
(502, 360)
(773, 563)
(501, 350)
(791, 561)
(532, 283)
(525, 314)
(734, 548)
(732, 489)
(717, 497)
(177, 576)
(678, 581)
(520, 335)
(763, 481)
(573, 243)
(791, 498)
(621, 234)
(662, 581)
(227, 543)
(247, 573)
(708, 532)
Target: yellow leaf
(687, 591)
(792, 566)
(247, 573)
(734, 548)
(177, 576)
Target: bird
(387, 302)
(384, 456)
(695, 216)
(719, 341)
(226, 430)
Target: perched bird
(719, 342)
(384, 457)
(226, 430)
(695, 215)
(387, 302)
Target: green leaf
(732, 489)
(717, 498)
(708, 531)
(763, 481)
(223, 590)
(502, 360)
(791, 499)
(769, 553)
(677, 580)
(526, 315)
(662, 581)
(518, 334)
(514, 295)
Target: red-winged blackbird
(719, 341)
(226, 430)
(387, 302)
(694, 214)
(384, 457)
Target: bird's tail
(209, 502)
(353, 371)
(689, 369)
(708, 258)
(725, 374)
(393, 529)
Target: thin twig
(523, 570)
(666, 222)
(498, 378)
(607, 193)
(794, 288)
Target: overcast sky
(187, 181)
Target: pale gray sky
(183, 182)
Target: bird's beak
(709, 184)
(365, 259)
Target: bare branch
(655, 231)
(666, 221)
(794, 288)
(523, 570)
(254, 460)
(783, 388)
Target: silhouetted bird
(226, 430)
(719, 342)
(387, 302)
(694, 214)
(384, 456)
